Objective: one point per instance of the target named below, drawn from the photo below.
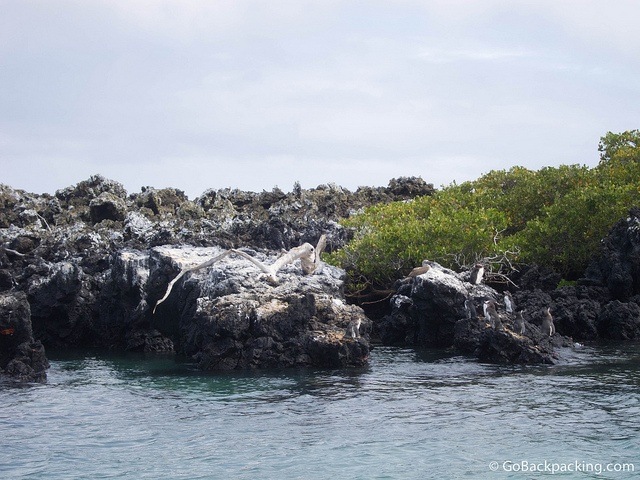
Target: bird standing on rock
(492, 315)
(353, 329)
(418, 271)
(470, 308)
(548, 328)
(476, 274)
(518, 324)
(509, 304)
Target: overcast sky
(253, 94)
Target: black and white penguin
(353, 329)
(509, 304)
(548, 328)
(518, 324)
(485, 304)
(477, 272)
(470, 308)
(492, 315)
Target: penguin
(492, 315)
(353, 329)
(496, 322)
(547, 327)
(470, 308)
(518, 324)
(509, 304)
(476, 274)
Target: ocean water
(408, 415)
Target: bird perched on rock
(509, 304)
(477, 272)
(518, 324)
(470, 308)
(414, 273)
(548, 328)
(419, 271)
(353, 329)
(492, 315)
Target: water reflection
(409, 414)
(598, 372)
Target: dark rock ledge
(84, 267)
(228, 316)
(21, 357)
(428, 310)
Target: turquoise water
(408, 415)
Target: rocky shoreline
(86, 266)
(428, 310)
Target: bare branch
(387, 297)
(184, 271)
(502, 261)
(496, 236)
(44, 220)
(501, 276)
(309, 259)
(322, 244)
(305, 251)
(269, 270)
(13, 252)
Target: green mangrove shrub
(554, 216)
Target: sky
(257, 94)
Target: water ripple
(410, 414)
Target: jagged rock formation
(86, 261)
(617, 267)
(229, 317)
(231, 218)
(426, 307)
(276, 220)
(429, 310)
(91, 261)
(615, 274)
(21, 357)
(575, 308)
(603, 305)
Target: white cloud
(192, 20)
(344, 92)
(613, 25)
(456, 55)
